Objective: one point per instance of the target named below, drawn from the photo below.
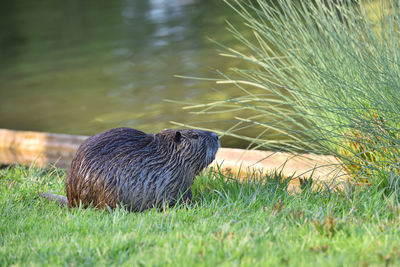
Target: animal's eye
(195, 136)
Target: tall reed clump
(325, 75)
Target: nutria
(138, 170)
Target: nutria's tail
(60, 199)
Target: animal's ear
(178, 137)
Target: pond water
(81, 67)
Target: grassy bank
(252, 223)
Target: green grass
(251, 223)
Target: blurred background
(80, 67)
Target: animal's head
(195, 146)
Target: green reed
(320, 76)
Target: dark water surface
(81, 67)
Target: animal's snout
(214, 135)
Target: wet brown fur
(138, 170)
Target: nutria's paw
(187, 197)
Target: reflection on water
(84, 66)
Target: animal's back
(95, 170)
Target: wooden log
(41, 149)
(37, 141)
(322, 167)
(44, 149)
